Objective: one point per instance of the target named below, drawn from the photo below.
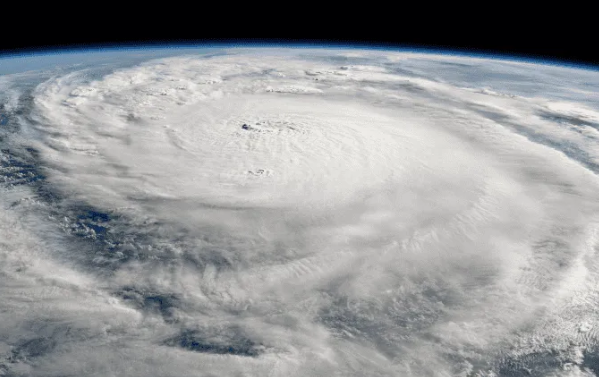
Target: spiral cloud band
(280, 212)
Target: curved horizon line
(429, 49)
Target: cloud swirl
(300, 213)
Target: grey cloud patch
(151, 301)
(569, 120)
(226, 341)
(573, 150)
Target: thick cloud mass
(300, 213)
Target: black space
(494, 28)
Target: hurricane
(298, 212)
